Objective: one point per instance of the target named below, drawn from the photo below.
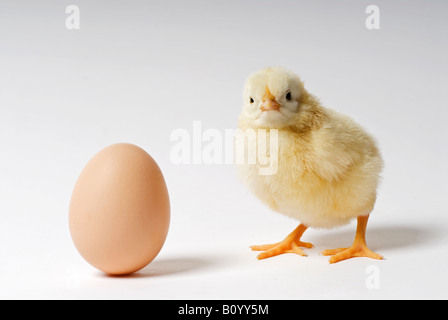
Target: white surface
(135, 72)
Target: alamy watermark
(229, 146)
(73, 20)
(373, 278)
(373, 20)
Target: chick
(328, 166)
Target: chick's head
(272, 98)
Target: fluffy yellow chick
(328, 166)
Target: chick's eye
(288, 96)
(251, 100)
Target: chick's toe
(291, 244)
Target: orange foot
(358, 249)
(291, 244)
(352, 252)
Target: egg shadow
(380, 238)
(165, 267)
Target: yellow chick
(328, 166)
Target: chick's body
(325, 177)
(328, 166)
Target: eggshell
(120, 210)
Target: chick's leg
(359, 247)
(291, 244)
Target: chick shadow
(380, 238)
(166, 267)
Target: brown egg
(120, 210)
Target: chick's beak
(270, 105)
(268, 102)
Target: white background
(137, 70)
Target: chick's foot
(354, 251)
(291, 244)
(358, 249)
